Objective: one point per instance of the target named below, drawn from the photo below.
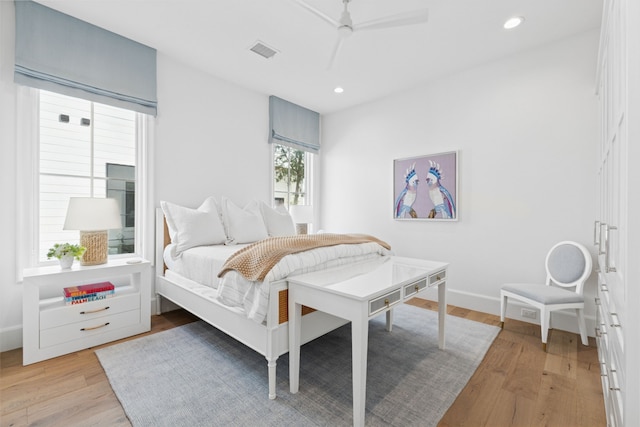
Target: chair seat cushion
(543, 294)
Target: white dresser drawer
(87, 328)
(67, 314)
(602, 329)
(380, 303)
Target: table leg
(442, 311)
(359, 343)
(389, 319)
(295, 317)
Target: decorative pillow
(193, 227)
(211, 204)
(278, 221)
(243, 225)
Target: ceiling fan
(346, 27)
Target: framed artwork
(426, 187)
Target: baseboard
(562, 320)
(11, 338)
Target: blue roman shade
(293, 125)
(63, 54)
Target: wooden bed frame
(269, 338)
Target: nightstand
(50, 328)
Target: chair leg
(582, 327)
(503, 309)
(545, 319)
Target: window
(292, 176)
(85, 149)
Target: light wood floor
(517, 384)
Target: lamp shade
(301, 214)
(90, 213)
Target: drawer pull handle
(94, 327)
(597, 301)
(604, 288)
(614, 388)
(607, 255)
(386, 302)
(417, 288)
(95, 311)
(601, 240)
(616, 323)
(438, 277)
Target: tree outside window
(290, 173)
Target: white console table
(358, 293)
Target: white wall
(211, 138)
(526, 131)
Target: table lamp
(93, 217)
(301, 215)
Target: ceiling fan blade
(408, 18)
(335, 52)
(329, 20)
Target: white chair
(568, 265)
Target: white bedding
(202, 264)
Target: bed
(259, 322)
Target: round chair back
(568, 264)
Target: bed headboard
(162, 240)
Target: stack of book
(90, 292)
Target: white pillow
(243, 225)
(193, 227)
(278, 221)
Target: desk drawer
(415, 287)
(437, 277)
(378, 304)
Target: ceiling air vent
(263, 50)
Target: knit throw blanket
(256, 260)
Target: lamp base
(301, 228)
(97, 244)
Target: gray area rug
(195, 375)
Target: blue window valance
(293, 125)
(63, 54)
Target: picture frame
(426, 187)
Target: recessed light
(338, 89)
(513, 22)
